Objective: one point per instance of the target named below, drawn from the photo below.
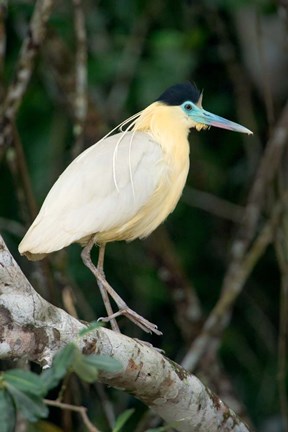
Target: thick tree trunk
(32, 327)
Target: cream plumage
(138, 185)
(77, 206)
(124, 186)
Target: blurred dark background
(237, 52)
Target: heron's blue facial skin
(201, 116)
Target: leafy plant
(122, 419)
(24, 390)
(8, 410)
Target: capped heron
(123, 187)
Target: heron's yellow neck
(168, 126)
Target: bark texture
(32, 327)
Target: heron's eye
(188, 106)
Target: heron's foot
(106, 289)
(137, 319)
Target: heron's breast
(175, 167)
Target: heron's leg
(105, 296)
(86, 257)
(123, 308)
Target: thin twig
(27, 203)
(69, 300)
(188, 313)
(3, 10)
(59, 71)
(63, 388)
(242, 260)
(22, 172)
(188, 316)
(79, 409)
(238, 77)
(127, 66)
(272, 155)
(267, 93)
(12, 227)
(11, 160)
(281, 248)
(265, 174)
(80, 109)
(213, 204)
(106, 403)
(39, 320)
(64, 283)
(219, 316)
(283, 333)
(30, 48)
(235, 276)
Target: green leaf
(87, 367)
(26, 381)
(92, 326)
(8, 412)
(104, 362)
(64, 359)
(86, 370)
(49, 379)
(32, 407)
(164, 428)
(61, 364)
(122, 419)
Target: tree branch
(79, 409)
(80, 108)
(31, 326)
(242, 258)
(30, 48)
(219, 316)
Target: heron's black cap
(179, 93)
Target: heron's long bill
(205, 117)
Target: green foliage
(70, 359)
(122, 419)
(24, 390)
(135, 50)
(87, 367)
(62, 362)
(25, 381)
(7, 410)
(91, 327)
(31, 406)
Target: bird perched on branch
(123, 187)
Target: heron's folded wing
(102, 188)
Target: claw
(133, 316)
(106, 290)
